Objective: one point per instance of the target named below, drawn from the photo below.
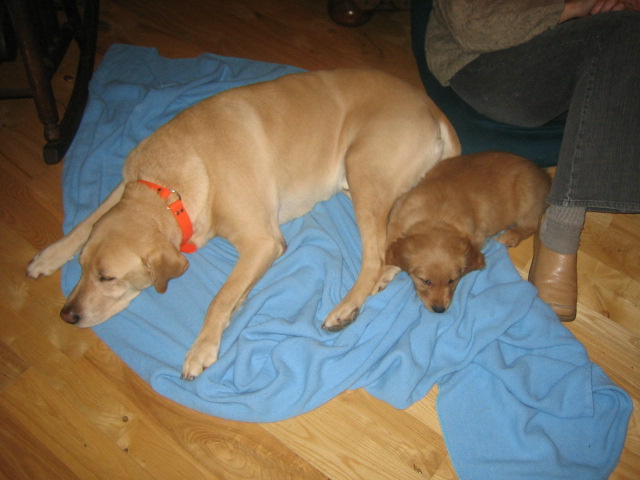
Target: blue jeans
(587, 70)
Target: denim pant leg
(589, 70)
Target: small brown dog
(437, 229)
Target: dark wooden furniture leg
(43, 42)
(353, 13)
(347, 13)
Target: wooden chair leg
(40, 67)
(347, 13)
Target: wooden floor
(69, 408)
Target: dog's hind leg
(380, 166)
(372, 225)
(372, 199)
(57, 254)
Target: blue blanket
(518, 397)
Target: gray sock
(561, 228)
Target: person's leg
(554, 266)
(562, 227)
(599, 161)
(589, 69)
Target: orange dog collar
(184, 222)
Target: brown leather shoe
(555, 275)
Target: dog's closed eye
(105, 278)
(428, 282)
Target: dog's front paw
(388, 274)
(202, 354)
(338, 319)
(47, 261)
(379, 286)
(39, 267)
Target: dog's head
(435, 261)
(123, 256)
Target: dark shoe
(555, 275)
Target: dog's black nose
(438, 308)
(68, 315)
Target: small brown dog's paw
(509, 239)
(378, 287)
(513, 236)
(388, 274)
(335, 323)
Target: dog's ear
(395, 254)
(475, 259)
(164, 264)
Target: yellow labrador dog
(238, 165)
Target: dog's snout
(69, 315)
(438, 308)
